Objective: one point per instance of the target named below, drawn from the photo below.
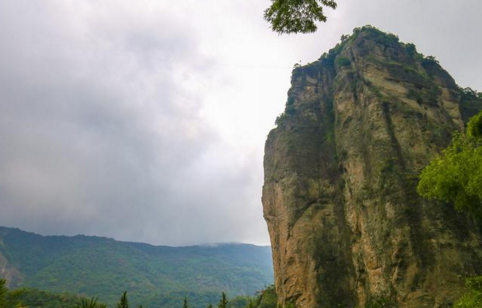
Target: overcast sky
(145, 120)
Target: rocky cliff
(7, 271)
(346, 224)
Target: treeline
(267, 298)
(32, 298)
(263, 299)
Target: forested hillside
(156, 276)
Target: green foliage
(470, 101)
(92, 303)
(297, 16)
(456, 175)
(3, 293)
(342, 61)
(411, 49)
(196, 299)
(474, 129)
(41, 299)
(155, 276)
(469, 93)
(429, 60)
(240, 301)
(266, 298)
(123, 302)
(223, 302)
(473, 298)
(380, 37)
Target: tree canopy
(297, 16)
(456, 175)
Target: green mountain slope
(103, 267)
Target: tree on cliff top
(297, 16)
(456, 175)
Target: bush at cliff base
(473, 298)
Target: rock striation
(346, 224)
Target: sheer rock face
(346, 224)
(9, 272)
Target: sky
(146, 120)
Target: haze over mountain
(155, 276)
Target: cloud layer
(146, 121)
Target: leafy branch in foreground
(297, 16)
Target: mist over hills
(153, 275)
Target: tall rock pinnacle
(346, 224)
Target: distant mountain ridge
(104, 267)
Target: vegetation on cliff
(456, 175)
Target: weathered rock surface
(346, 224)
(7, 271)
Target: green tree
(85, 303)
(223, 302)
(456, 175)
(3, 293)
(210, 306)
(297, 16)
(185, 304)
(123, 303)
(9, 298)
